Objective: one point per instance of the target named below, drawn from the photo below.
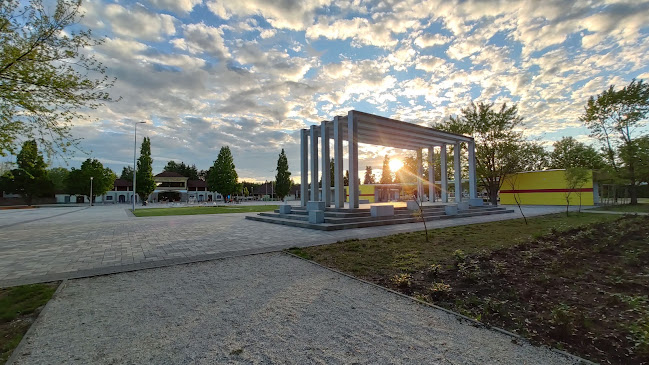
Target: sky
(250, 74)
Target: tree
(568, 152)
(58, 175)
(369, 177)
(78, 181)
(283, 176)
(30, 178)
(144, 177)
(613, 118)
(127, 173)
(575, 177)
(346, 178)
(185, 170)
(332, 172)
(532, 156)
(223, 176)
(498, 141)
(45, 74)
(386, 174)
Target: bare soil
(584, 290)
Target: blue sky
(250, 74)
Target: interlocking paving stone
(44, 244)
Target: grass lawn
(577, 283)
(19, 308)
(157, 212)
(641, 207)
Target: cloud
(201, 38)
(431, 40)
(138, 22)
(283, 14)
(176, 6)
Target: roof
(169, 174)
(123, 182)
(382, 131)
(196, 184)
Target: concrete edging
(459, 316)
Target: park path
(46, 244)
(270, 308)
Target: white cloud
(138, 22)
(431, 40)
(287, 14)
(177, 6)
(201, 38)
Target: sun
(395, 165)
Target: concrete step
(342, 223)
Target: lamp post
(134, 163)
(91, 178)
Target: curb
(30, 331)
(460, 317)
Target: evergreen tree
(332, 171)
(386, 174)
(144, 178)
(223, 177)
(346, 178)
(185, 170)
(78, 181)
(283, 177)
(30, 178)
(369, 177)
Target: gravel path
(259, 309)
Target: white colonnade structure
(358, 127)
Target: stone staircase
(337, 219)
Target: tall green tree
(223, 177)
(127, 173)
(58, 175)
(568, 152)
(181, 168)
(386, 174)
(283, 177)
(47, 79)
(498, 141)
(613, 117)
(30, 178)
(78, 181)
(346, 178)
(144, 176)
(369, 177)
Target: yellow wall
(366, 192)
(544, 180)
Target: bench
(381, 210)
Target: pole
(91, 178)
(134, 164)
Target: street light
(134, 164)
(91, 178)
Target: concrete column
(304, 167)
(444, 168)
(431, 174)
(352, 139)
(420, 173)
(473, 183)
(339, 196)
(326, 172)
(458, 172)
(314, 165)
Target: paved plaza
(54, 243)
(259, 309)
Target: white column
(458, 172)
(431, 174)
(339, 197)
(473, 184)
(420, 173)
(444, 173)
(304, 167)
(352, 138)
(326, 171)
(314, 165)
